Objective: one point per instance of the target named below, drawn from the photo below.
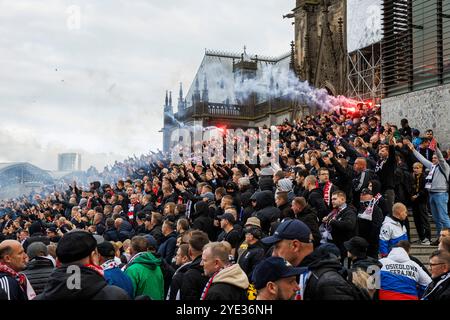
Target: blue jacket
(168, 247)
(117, 277)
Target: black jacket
(309, 217)
(266, 183)
(12, 288)
(253, 255)
(147, 209)
(203, 221)
(92, 286)
(386, 171)
(156, 232)
(177, 282)
(327, 280)
(193, 281)
(226, 292)
(343, 227)
(438, 289)
(266, 212)
(370, 230)
(38, 271)
(315, 200)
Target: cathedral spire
(167, 99)
(205, 95)
(180, 98)
(170, 98)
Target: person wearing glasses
(439, 288)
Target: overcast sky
(95, 82)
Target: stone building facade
(425, 109)
(320, 43)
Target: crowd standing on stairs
(353, 210)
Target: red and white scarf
(97, 269)
(24, 284)
(327, 192)
(20, 278)
(208, 285)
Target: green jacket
(144, 269)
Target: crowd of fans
(328, 222)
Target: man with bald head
(13, 260)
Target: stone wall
(424, 109)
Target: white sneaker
(426, 242)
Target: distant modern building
(20, 178)
(69, 162)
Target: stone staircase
(421, 252)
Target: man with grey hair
(39, 267)
(227, 281)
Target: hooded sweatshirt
(439, 173)
(402, 278)
(230, 283)
(144, 269)
(92, 286)
(392, 232)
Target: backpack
(358, 293)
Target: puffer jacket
(38, 271)
(325, 279)
(230, 284)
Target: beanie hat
(75, 245)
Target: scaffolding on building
(364, 74)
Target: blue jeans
(438, 206)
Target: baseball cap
(273, 269)
(290, 230)
(227, 216)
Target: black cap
(106, 249)
(273, 269)
(357, 246)
(75, 245)
(227, 216)
(290, 230)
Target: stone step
(422, 249)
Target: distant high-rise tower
(69, 162)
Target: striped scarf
(208, 285)
(327, 192)
(20, 278)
